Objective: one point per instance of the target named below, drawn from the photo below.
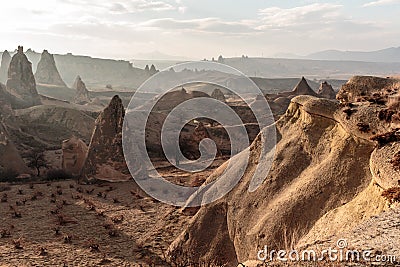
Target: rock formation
(105, 159)
(82, 93)
(7, 99)
(47, 72)
(5, 63)
(219, 95)
(172, 99)
(330, 168)
(21, 82)
(191, 144)
(52, 123)
(326, 91)
(74, 152)
(359, 88)
(280, 102)
(153, 70)
(10, 159)
(302, 88)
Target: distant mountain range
(388, 55)
(385, 55)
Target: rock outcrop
(10, 159)
(7, 99)
(5, 64)
(21, 82)
(47, 72)
(218, 94)
(302, 88)
(82, 93)
(172, 99)
(74, 152)
(327, 177)
(191, 144)
(326, 91)
(105, 159)
(363, 88)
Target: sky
(197, 29)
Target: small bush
(386, 138)
(386, 115)
(396, 161)
(56, 175)
(392, 194)
(7, 175)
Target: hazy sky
(198, 28)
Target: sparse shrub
(113, 233)
(57, 175)
(67, 239)
(386, 115)
(363, 127)
(17, 244)
(392, 194)
(349, 112)
(8, 176)
(43, 251)
(94, 247)
(59, 192)
(396, 161)
(57, 231)
(36, 160)
(4, 233)
(386, 138)
(90, 191)
(17, 215)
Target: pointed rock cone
(47, 72)
(5, 64)
(302, 88)
(326, 91)
(82, 93)
(105, 159)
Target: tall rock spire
(105, 159)
(21, 82)
(46, 72)
(5, 63)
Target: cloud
(126, 6)
(381, 3)
(213, 25)
(317, 13)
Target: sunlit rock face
(21, 81)
(74, 152)
(105, 160)
(47, 72)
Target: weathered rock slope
(320, 182)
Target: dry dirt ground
(68, 224)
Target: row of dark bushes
(10, 176)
